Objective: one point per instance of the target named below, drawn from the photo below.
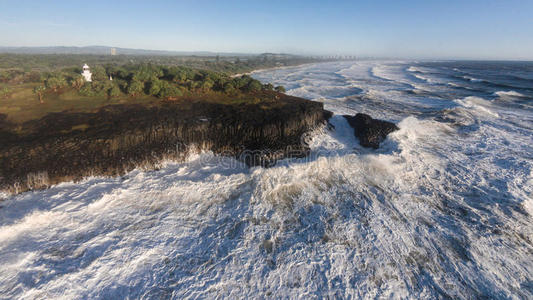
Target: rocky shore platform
(115, 139)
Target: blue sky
(412, 29)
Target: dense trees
(253, 86)
(229, 88)
(134, 88)
(55, 82)
(170, 82)
(226, 64)
(140, 79)
(169, 90)
(113, 91)
(77, 82)
(159, 76)
(154, 86)
(87, 90)
(99, 74)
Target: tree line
(147, 79)
(227, 64)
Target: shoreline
(119, 138)
(273, 68)
(69, 146)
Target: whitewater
(444, 209)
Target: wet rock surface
(116, 139)
(370, 132)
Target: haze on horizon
(411, 29)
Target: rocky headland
(115, 139)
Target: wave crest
(478, 105)
(503, 94)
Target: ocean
(443, 209)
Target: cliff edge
(115, 139)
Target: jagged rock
(370, 132)
(118, 138)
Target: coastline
(273, 68)
(119, 138)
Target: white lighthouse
(86, 73)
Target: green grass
(23, 105)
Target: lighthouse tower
(86, 73)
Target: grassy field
(22, 105)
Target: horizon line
(236, 53)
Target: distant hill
(103, 50)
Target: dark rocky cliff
(116, 139)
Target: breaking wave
(508, 94)
(478, 105)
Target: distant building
(113, 51)
(87, 73)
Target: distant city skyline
(410, 29)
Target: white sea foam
(423, 78)
(413, 69)
(503, 94)
(528, 206)
(379, 72)
(479, 105)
